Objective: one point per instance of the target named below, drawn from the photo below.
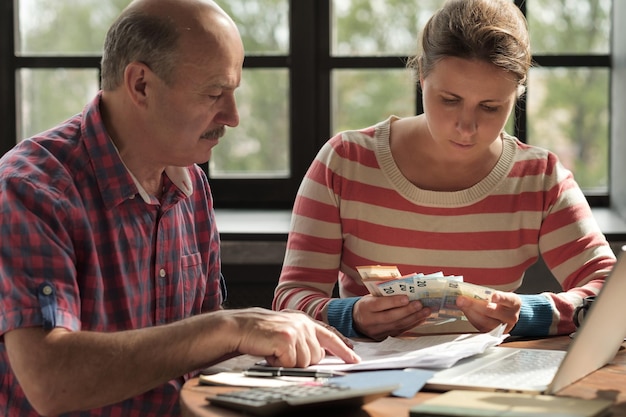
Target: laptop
(539, 371)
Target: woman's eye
(490, 109)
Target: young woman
(447, 190)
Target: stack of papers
(433, 352)
(383, 359)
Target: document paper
(433, 352)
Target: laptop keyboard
(525, 367)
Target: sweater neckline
(439, 198)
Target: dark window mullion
(8, 115)
(58, 61)
(387, 62)
(266, 61)
(603, 61)
(304, 88)
(324, 67)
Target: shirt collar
(178, 175)
(115, 181)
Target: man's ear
(136, 76)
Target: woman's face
(466, 104)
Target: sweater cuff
(340, 315)
(535, 316)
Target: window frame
(310, 66)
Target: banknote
(454, 289)
(429, 290)
(435, 291)
(371, 275)
(448, 301)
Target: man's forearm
(62, 370)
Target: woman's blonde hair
(493, 31)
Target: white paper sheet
(433, 351)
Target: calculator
(274, 401)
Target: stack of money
(435, 291)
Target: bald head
(181, 13)
(157, 32)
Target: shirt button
(46, 290)
(162, 272)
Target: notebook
(508, 404)
(539, 371)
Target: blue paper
(410, 380)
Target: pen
(273, 371)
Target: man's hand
(379, 317)
(290, 339)
(504, 307)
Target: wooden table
(608, 382)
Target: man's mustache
(214, 134)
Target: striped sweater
(354, 207)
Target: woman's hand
(379, 317)
(504, 307)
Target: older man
(110, 265)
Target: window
(313, 68)
(568, 104)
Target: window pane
(55, 27)
(49, 96)
(569, 26)
(568, 113)
(259, 146)
(85, 24)
(378, 27)
(263, 24)
(362, 98)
